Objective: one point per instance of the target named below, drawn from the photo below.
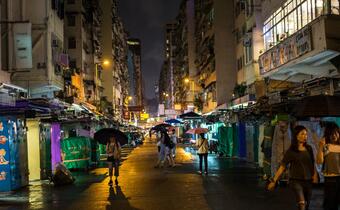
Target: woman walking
(302, 171)
(113, 150)
(329, 156)
(161, 150)
(202, 151)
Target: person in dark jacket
(300, 159)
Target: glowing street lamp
(186, 80)
(106, 62)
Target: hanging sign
(294, 46)
(22, 45)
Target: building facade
(41, 70)
(184, 68)
(114, 75)
(301, 44)
(248, 43)
(215, 53)
(82, 32)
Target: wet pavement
(231, 184)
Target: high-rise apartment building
(184, 65)
(38, 63)
(215, 52)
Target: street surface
(231, 184)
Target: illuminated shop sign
(293, 47)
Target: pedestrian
(302, 171)
(161, 150)
(329, 155)
(174, 141)
(113, 150)
(168, 150)
(202, 150)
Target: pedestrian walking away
(174, 141)
(169, 145)
(302, 171)
(202, 151)
(161, 150)
(113, 150)
(329, 155)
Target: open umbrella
(318, 106)
(160, 127)
(103, 136)
(190, 115)
(173, 121)
(197, 131)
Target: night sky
(145, 20)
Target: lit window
(335, 7)
(319, 7)
(304, 16)
(292, 16)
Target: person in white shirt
(202, 151)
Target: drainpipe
(48, 73)
(10, 36)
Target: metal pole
(96, 83)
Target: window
(304, 14)
(240, 62)
(72, 43)
(248, 51)
(71, 20)
(292, 16)
(335, 7)
(319, 7)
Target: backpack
(168, 142)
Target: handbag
(116, 153)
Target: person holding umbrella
(113, 150)
(113, 139)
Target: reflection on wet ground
(231, 184)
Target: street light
(191, 84)
(105, 63)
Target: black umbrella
(103, 136)
(190, 115)
(161, 127)
(318, 106)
